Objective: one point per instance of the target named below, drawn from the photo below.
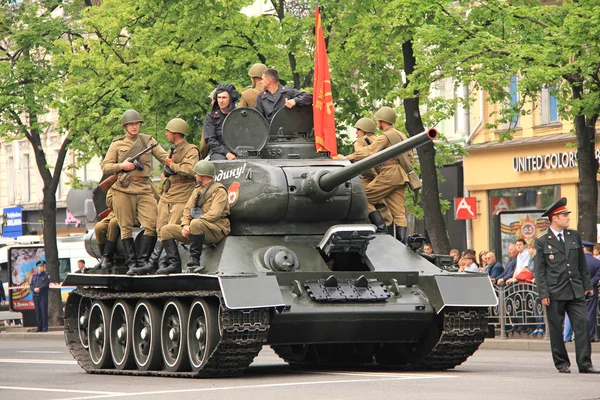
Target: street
(44, 369)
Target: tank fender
(464, 290)
(255, 291)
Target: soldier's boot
(391, 230)
(130, 255)
(377, 220)
(196, 242)
(99, 265)
(163, 261)
(147, 245)
(108, 259)
(152, 265)
(401, 233)
(174, 262)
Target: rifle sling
(395, 138)
(206, 193)
(137, 146)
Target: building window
(25, 183)
(553, 107)
(10, 177)
(548, 106)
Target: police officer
(204, 220)
(275, 95)
(178, 185)
(225, 98)
(39, 284)
(563, 281)
(365, 135)
(390, 184)
(249, 95)
(133, 194)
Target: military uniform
(562, 275)
(268, 104)
(249, 96)
(390, 183)
(367, 177)
(133, 196)
(41, 281)
(213, 224)
(177, 188)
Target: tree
(547, 47)
(29, 82)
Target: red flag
(324, 122)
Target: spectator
(596, 251)
(80, 267)
(494, 268)
(456, 256)
(509, 269)
(427, 248)
(482, 262)
(523, 257)
(469, 263)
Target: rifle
(108, 182)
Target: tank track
(463, 331)
(243, 333)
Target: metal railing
(519, 309)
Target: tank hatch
(245, 131)
(291, 123)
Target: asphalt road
(44, 369)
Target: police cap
(560, 207)
(587, 243)
(41, 262)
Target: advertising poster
(513, 225)
(22, 266)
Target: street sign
(498, 204)
(465, 208)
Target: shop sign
(547, 161)
(13, 222)
(498, 204)
(465, 208)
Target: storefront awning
(527, 141)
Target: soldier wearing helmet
(390, 184)
(275, 95)
(249, 95)
(178, 183)
(133, 192)
(224, 102)
(365, 135)
(204, 221)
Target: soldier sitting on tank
(204, 221)
(225, 99)
(177, 186)
(390, 183)
(107, 232)
(275, 95)
(249, 95)
(365, 135)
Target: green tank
(302, 271)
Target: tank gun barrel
(331, 180)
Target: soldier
(106, 232)
(275, 95)
(178, 185)
(249, 95)
(224, 102)
(133, 196)
(390, 183)
(563, 282)
(204, 220)
(365, 132)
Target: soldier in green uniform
(178, 183)
(204, 220)
(365, 135)
(563, 280)
(390, 184)
(133, 198)
(107, 233)
(249, 95)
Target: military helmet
(366, 125)
(257, 70)
(205, 168)
(177, 125)
(386, 114)
(130, 116)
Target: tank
(302, 271)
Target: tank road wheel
(121, 322)
(98, 328)
(146, 336)
(203, 331)
(296, 354)
(173, 334)
(83, 314)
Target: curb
(525, 344)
